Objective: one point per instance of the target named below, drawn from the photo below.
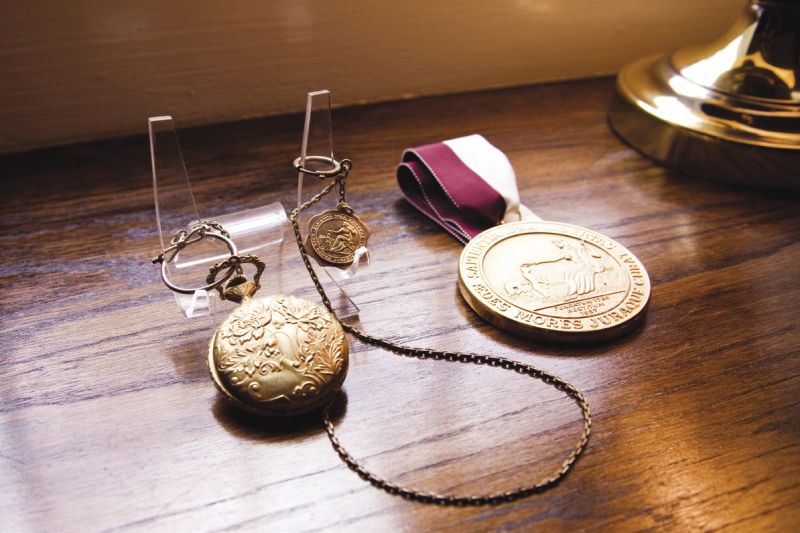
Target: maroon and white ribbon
(465, 185)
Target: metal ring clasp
(236, 261)
(336, 167)
(182, 239)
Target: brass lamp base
(729, 111)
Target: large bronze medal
(554, 281)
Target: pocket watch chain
(445, 355)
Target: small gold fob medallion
(335, 235)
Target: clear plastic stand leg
(318, 140)
(259, 231)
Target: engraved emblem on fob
(335, 235)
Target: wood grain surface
(108, 420)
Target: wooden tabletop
(108, 420)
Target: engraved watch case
(279, 356)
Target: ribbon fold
(465, 185)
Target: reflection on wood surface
(108, 418)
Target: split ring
(178, 246)
(335, 170)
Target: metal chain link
(346, 166)
(439, 355)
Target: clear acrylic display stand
(259, 231)
(318, 140)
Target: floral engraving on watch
(280, 349)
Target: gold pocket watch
(278, 355)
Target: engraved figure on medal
(335, 235)
(557, 271)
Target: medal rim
(346, 261)
(281, 412)
(543, 332)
